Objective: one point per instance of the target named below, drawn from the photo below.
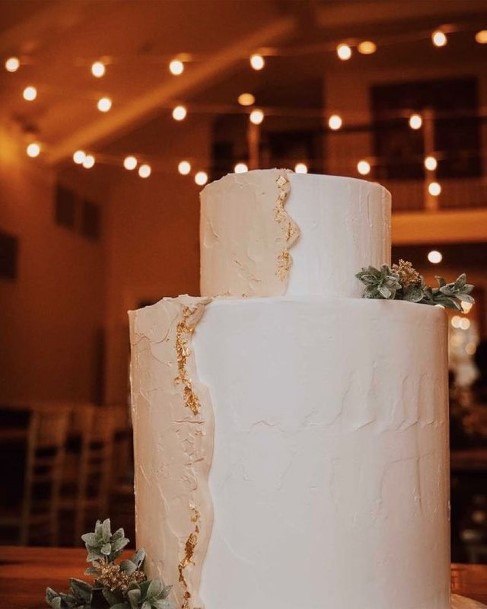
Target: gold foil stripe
(289, 228)
(183, 332)
(189, 548)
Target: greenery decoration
(403, 282)
(121, 585)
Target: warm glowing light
(470, 348)
(88, 161)
(256, 116)
(430, 163)
(130, 163)
(363, 167)
(179, 113)
(456, 320)
(257, 61)
(176, 67)
(415, 121)
(33, 149)
(301, 168)
(29, 93)
(464, 323)
(145, 170)
(435, 257)
(466, 306)
(184, 168)
(434, 189)
(335, 122)
(367, 47)
(201, 178)
(12, 64)
(481, 37)
(439, 38)
(246, 99)
(104, 104)
(344, 51)
(79, 156)
(240, 168)
(98, 69)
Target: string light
(257, 61)
(455, 321)
(29, 93)
(201, 178)
(470, 348)
(104, 104)
(12, 64)
(439, 38)
(430, 163)
(434, 189)
(301, 168)
(246, 99)
(367, 47)
(363, 167)
(184, 168)
(415, 121)
(79, 157)
(344, 51)
(464, 323)
(130, 163)
(176, 67)
(240, 168)
(435, 257)
(256, 116)
(98, 69)
(179, 113)
(33, 150)
(335, 122)
(88, 161)
(145, 170)
(481, 37)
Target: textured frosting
(344, 224)
(173, 442)
(329, 479)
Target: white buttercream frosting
(344, 224)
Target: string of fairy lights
(246, 101)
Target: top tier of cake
(274, 233)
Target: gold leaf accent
(183, 332)
(189, 548)
(289, 228)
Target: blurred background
(115, 113)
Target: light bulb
(415, 121)
(335, 122)
(201, 178)
(240, 168)
(435, 257)
(79, 156)
(464, 323)
(12, 64)
(130, 163)
(33, 149)
(176, 67)
(257, 61)
(430, 163)
(481, 37)
(88, 161)
(434, 189)
(456, 321)
(98, 69)
(301, 168)
(246, 99)
(145, 170)
(256, 116)
(470, 348)
(29, 93)
(104, 104)
(363, 167)
(184, 168)
(367, 47)
(439, 38)
(179, 113)
(344, 51)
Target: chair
(46, 439)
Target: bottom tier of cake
(293, 453)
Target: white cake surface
(329, 476)
(343, 225)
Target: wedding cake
(291, 438)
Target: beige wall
(50, 316)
